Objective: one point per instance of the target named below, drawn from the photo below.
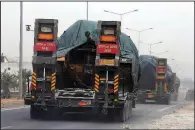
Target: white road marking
(165, 108)
(14, 108)
(6, 127)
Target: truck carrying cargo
(151, 88)
(91, 67)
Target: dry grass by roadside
(13, 102)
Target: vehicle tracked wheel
(34, 112)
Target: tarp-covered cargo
(148, 72)
(75, 36)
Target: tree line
(11, 81)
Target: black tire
(34, 112)
(168, 100)
(164, 101)
(123, 113)
(133, 103)
(110, 114)
(130, 108)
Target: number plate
(108, 48)
(106, 62)
(45, 46)
(150, 100)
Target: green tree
(25, 74)
(8, 80)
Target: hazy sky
(173, 23)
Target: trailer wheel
(123, 113)
(130, 108)
(167, 100)
(52, 113)
(133, 103)
(34, 112)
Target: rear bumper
(144, 98)
(71, 103)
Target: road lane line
(166, 108)
(14, 108)
(6, 127)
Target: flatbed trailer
(56, 87)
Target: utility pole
(150, 51)
(21, 50)
(87, 10)
(138, 40)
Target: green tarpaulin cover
(75, 36)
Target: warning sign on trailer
(108, 48)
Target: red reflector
(83, 103)
(111, 90)
(45, 46)
(161, 70)
(108, 48)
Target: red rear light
(111, 90)
(161, 70)
(108, 48)
(38, 87)
(33, 88)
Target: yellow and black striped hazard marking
(156, 86)
(97, 80)
(165, 87)
(53, 81)
(116, 78)
(34, 80)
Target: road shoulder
(182, 118)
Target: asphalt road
(143, 114)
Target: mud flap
(163, 100)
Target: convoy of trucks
(90, 68)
